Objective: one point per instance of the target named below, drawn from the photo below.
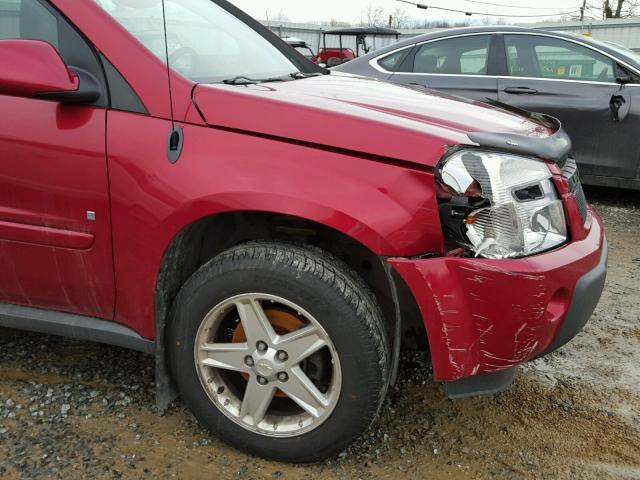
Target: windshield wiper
(242, 80)
(301, 75)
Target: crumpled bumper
(484, 316)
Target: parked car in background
(301, 47)
(272, 232)
(593, 87)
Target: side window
(466, 55)
(28, 19)
(393, 61)
(9, 19)
(546, 57)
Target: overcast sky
(351, 10)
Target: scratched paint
(486, 315)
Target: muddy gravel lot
(73, 409)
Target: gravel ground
(73, 409)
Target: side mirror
(623, 79)
(34, 69)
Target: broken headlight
(500, 205)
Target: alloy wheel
(268, 365)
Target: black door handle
(520, 90)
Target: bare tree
(619, 8)
(399, 18)
(281, 17)
(372, 17)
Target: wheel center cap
(264, 368)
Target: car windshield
(206, 43)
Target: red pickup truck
(273, 233)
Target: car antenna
(176, 136)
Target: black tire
(330, 291)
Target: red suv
(271, 232)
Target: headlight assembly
(501, 205)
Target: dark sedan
(593, 87)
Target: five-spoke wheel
(256, 351)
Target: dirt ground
(77, 410)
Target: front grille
(570, 172)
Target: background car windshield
(206, 43)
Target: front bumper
(484, 316)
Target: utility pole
(584, 5)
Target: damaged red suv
(274, 233)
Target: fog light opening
(558, 305)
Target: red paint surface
(357, 114)
(389, 209)
(53, 169)
(30, 67)
(352, 154)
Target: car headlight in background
(506, 205)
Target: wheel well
(201, 241)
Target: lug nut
(282, 356)
(283, 377)
(261, 346)
(262, 380)
(248, 360)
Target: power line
(468, 13)
(519, 6)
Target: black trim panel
(585, 299)
(73, 326)
(484, 384)
(121, 95)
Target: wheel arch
(351, 241)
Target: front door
(577, 85)
(55, 232)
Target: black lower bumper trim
(484, 384)
(585, 299)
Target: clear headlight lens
(518, 211)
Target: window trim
(374, 61)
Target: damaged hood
(357, 114)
